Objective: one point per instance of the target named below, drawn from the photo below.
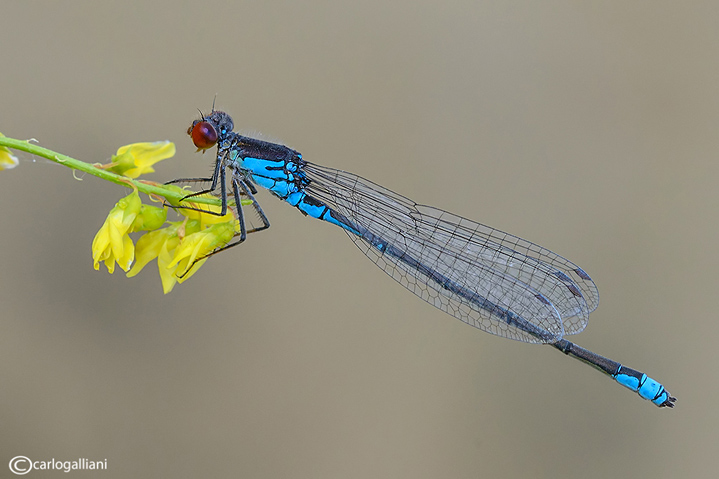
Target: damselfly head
(206, 131)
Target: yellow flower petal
(7, 159)
(149, 245)
(137, 158)
(168, 274)
(197, 245)
(112, 243)
(205, 217)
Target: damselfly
(491, 280)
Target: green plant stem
(171, 195)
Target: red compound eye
(203, 135)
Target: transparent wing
(437, 248)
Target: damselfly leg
(240, 188)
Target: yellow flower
(200, 244)
(209, 215)
(7, 159)
(137, 159)
(177, 247)
(112, 243)
(160, 244)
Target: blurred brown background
(589, 128)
